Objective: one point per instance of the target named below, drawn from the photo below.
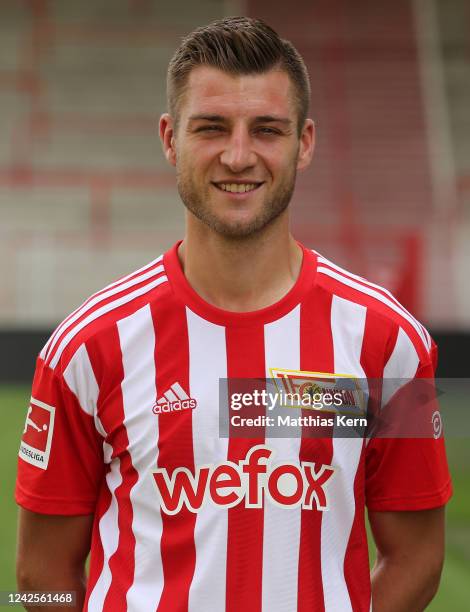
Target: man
(127, 388)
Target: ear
(167, 137)
(307, 145)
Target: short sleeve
(60, 465)
(408, 473)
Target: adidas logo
(175, 398)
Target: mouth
(238, 188)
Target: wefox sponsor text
(249, 482)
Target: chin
(238, 230)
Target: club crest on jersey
(344, 389)
(36, 441)
(246, 483)
(173, 400)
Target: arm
(51, 555)
(410, 555)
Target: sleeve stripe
(349, 275)
(100, 312)
(120, 285)
(381, 298)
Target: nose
(238, 154)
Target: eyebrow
(259, 119)
(203, 117)
(273, 119)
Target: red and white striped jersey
(124, 423)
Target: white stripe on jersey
(101, 311)
(137, 340)
(348, 279)
(93, 301)
(404, 360)
(109, 536)
(80, 378)
(401, 366)
(347, 327)
(206, 367)
(281, 547)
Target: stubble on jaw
(195, 202)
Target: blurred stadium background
(86, 196)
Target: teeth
(236, 188)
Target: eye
(269, 131)
(210, 128)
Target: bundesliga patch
(35, 446)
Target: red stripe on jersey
(175, 450)
(111, 412)
(356, 558)
(104, 500)
(378, 333)
(245, 359)
(316, 355)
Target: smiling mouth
(237, 187)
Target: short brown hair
(237, 45)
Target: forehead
(213, 91)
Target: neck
(241, 275)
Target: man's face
(236, 148)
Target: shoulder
(407, 336)
(102, 310)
